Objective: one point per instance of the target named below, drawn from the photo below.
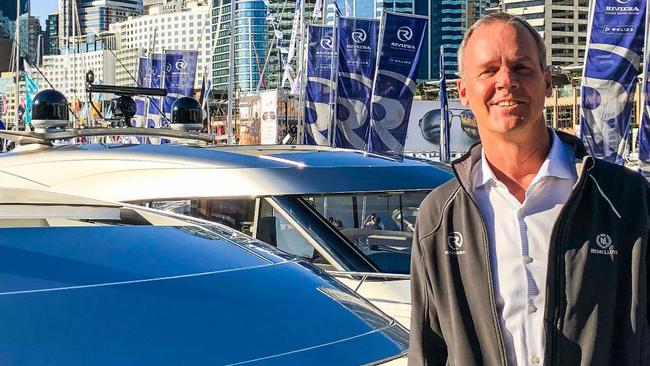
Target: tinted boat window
(237, 213)
(380, 224)
(273, 228)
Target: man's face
(503, 81)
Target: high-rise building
(251, 42)
(51, 42)
(67, 72)
(254, 42)
(186, 29)
(562, 24)
(448, 21)
(92, 16)
(368, 8)
(8, 9)
(31, 37)
(95, 16)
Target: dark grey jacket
(597, 309)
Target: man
(536, 253)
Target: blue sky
(42, 8)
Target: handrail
(392, 276)
(28, 137)
(365, 275)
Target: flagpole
(301, 99)
(231, 76)
(17, 60)
(331, 129)
(444, 115)
(643, 103)
(250, 56)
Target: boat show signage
(612, 63)
(269, 117)
(644, 125)
(356, 67)
(180, 74)
(400, 45)
(321, 80)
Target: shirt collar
(558, 163)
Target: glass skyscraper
(254, 36)
(369, 8)
(448, 20)
(94, 16)
(250, 43)
(52, 35)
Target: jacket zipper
(488, 265)
(558, 285)
(493, 305)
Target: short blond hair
(506, 18)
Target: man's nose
(507, 79)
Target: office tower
(368, 8)
(52, 35)
(8, 18)
(284, 13)
(96, 15)
(30, 33)
(562, 24)
(251, 43)
(254, 42)
(448, 21)
(93, 16)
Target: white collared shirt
(519, 237)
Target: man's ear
(462, 92)
(548, 80)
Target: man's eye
(522, 69)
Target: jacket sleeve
(426, 344)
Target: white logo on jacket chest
(604, 243)
(455, 243)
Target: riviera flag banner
(319, 111)
(180, 72)
(644, 126)
(401, 38)
(614, 46)
(356, 67)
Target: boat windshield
(380, 224)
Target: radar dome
(187, 115)
(50, 110)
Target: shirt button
(531, 308)
(528, 260)
(535, 359)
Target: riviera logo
(168, 67)
(455, 243)
(327, 42)
(404, 34)
(359, 36)
(181, 65)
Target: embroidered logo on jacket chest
(454, 244)
(605, 246)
